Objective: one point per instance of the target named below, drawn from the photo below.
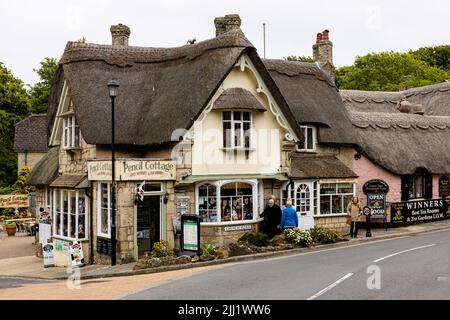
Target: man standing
(272, 218)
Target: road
(411, 267)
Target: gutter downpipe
(91, 230)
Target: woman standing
(289, 218)
(354, 212)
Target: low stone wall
(338, 223)
(218, 235)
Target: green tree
(19, 187)
(438, 56)
(14, 106)
(390, 71)
(40, 92)
(299, 58)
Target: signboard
(129, 170)
(104, 246)
(45, 233)
(238, 228)
(76, 254)
(14, 201)
(444, 186)
(47, 252)
(190, 233)
(418, 211)
(367, 211)
(377, 203)
(61, 245)
(375, 186)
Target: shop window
(418, 185)
(71, 132)
(207, 203)
(237, 129)
(334, 197)
(69, 209)
(303, 195)
(309, 142)
(104, 210)
(303, 198)
(236, 200)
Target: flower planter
(11, 231)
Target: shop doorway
(148, 223)
(304, 198)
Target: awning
(319, 167)
(238, 98)
(46, 170)
(193, 179)
(68, 181)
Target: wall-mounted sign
(129, 170)
(14, 201)
(444, 186)
(237, 228)
(104, 246)
(47, 253)
(375, 186)
(419, 211)
(190, 233)
(76, 253)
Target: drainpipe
(91, 228)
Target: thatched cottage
(208, 128)
(404, 141)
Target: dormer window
(71, 132)
(309, 142)
(236, 129)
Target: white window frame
(72, 128)
(218, 184)
(59, 211)
(99, 209)
(314, 138)
(241, 122)
(344, 205)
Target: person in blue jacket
(289, 218)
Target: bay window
(71, 132)
(226, 201)
(104, 210)
(237, 129)
(69, 208)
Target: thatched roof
(304, 166)
(161, 89)
(31, 134)
(402, 142)
(313, 99)
(46, 170)
(238, 98)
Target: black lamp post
(113, 85)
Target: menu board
(47, 252)
(190, 235)
(76, 253)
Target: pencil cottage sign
(14, 201)
(128, 170)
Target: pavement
(20, 264)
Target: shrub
(254, 239)
(324, 235)
(298, 237)
(207, 248)
(11, 225)
(162, 249)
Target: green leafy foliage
(162, 249)
(324, 235)
(438, 56)
(40, 92)
(207, 248)
(390, 71)
(19, 187)
(254, 239)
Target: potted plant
(11, 229)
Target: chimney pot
(319, 37)
(325, 36)
(120, 34)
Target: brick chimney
(228, 23)
(323, 53)
(120, 34)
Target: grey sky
(32, 30)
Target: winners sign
(129, 170)
(419, 211)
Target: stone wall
(338, 223)
(216, 235)
(28, 159)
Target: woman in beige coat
(354, 211)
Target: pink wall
(367, 170)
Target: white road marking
(331, 286)
(400, 252)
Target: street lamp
(113, 85)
